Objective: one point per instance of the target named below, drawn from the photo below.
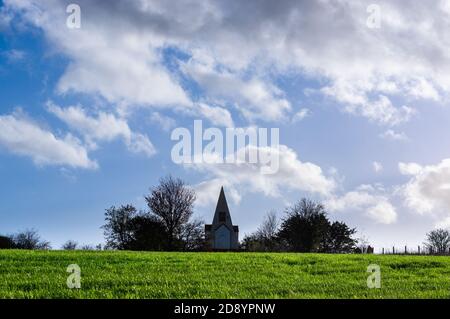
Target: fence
(419, 250)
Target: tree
(126, 229)
(265, 238)
(339, 239)
(362, 244)
(307, 229)
(172, 201)
(438, 241)
(29, 239)
(305, 226)
(117, 230)
(6, 242)
(193, 236)
(166, 226)
(70, 245)
(148, 233)
(252, 243)
(269, 227)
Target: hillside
(42, 274)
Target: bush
(29, 239)
(70, 245)
(306, 228)
(438, 241)
(265, 238)
(6, 242)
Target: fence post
(393, 250)
(406, 250)
(383, 251)
(418, 249)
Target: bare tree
(193, 235)
(70, 245)
(172, 201)
(269, 227)
(117, 230)
(265, 237)
(362, 243)
(29, 239)
(438, 241)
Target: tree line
(304, 228)
(168, 225)
(28, 239)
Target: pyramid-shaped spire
(222, 213)
(222, 234)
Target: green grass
(42, 274)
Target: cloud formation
(428, 190)
(119, 53)
(394, 136)
(236, 64)
(292, 175)
(254, 98)
(377, 166)
(24, 137)
(103, 127)
(370, 200)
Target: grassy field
(42, 274)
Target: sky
(91, 93)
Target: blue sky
(86, 114)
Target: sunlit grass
(105, 274)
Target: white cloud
(217, 115)
(379, 110)
(367, 199)
(292, 175)
(423, 89)
(104, 127)
(254, 98)
(21, 136)
(140, 83)
(167, 123)
(383, 212)
(301, 115)
(139, 143)
(428, 190)
(122, 66)
(393, 135)
(377, 167)
(444, 223)
(118, 55)
(409, 168)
